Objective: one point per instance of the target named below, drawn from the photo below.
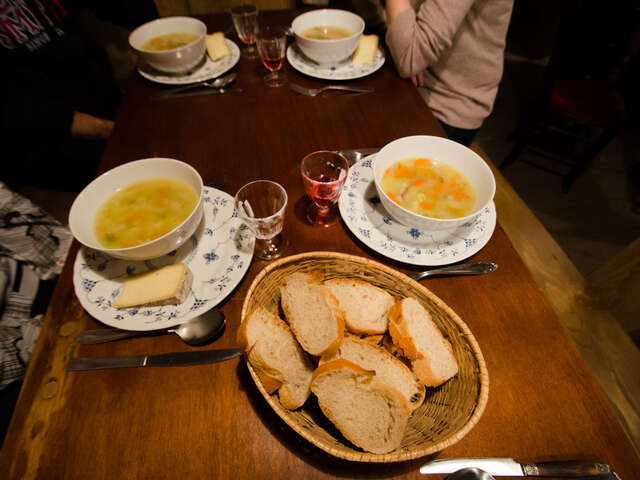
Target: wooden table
(210, 421)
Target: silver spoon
(217, 83)
(476, 268)
(196, 331)
(470, 474)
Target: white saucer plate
(345, 70)
(208, 70)
(218, 254)
(365, 216)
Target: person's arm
(84, 125)
(416, 40)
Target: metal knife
(509, 467)
(204, 91)
(177, 359)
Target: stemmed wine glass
(245, 21)
(271, 42)
(261, 204)
(323, 174)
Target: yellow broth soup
(168, 41)
(429, 188)
(143, 211)
(327, 32)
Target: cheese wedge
(165, 286)
(366, 50)
(217, 47)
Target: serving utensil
(176, 359)
(219, 82)
(476, 268)
(196, 331)
(509, 467)
(312, 92)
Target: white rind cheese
(165, 286)
(217, 47)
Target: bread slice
(365, 306)
(388, 369)
(168, 285)
(217, 47)
(369, 414)
(420, 340)
(276, 356)
(366, 50)
(312, 312)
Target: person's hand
(418, 79)
(87, 126)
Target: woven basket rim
(483, 374)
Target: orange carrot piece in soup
(417, 182)
(422, 162)
(427, 205)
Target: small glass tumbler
(323, 174)
(245, 21)
(271, 42)
(261, 204)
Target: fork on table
(312, 92)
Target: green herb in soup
(429, 188)
(327, 32)
(169, 41)
(143, 211)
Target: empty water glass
(245, 21)
(261, 204)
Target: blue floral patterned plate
(344, 70)
(219, 254)
(367, 219)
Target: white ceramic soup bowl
(437, 149)
(328, 51)
(177, 60)
(90, 199)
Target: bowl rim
(328, 41)
(452, 221)
(163, 20)
(395, 456)
(83, 193)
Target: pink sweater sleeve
(417, 39)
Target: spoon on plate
(219, 82)
(476, 268)
(196, 331)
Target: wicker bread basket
(448, 413)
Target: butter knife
(176, 359)
(509, 467)
(204, 91)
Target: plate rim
(293, 46)
(492, 222)
(182, 80)
(167, 324)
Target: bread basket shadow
(448, 413)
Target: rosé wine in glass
(245, 21)
(323, 175)
(272, 42)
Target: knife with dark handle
(177, 359)
(204, 91)
(509, 467)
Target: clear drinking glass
(323, 174)
(261, 204)
(245, 21)
(271, 42)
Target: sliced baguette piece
(420, 340)
(388, 369)
(366, 50)
(312, 313)
(370, 414)
(365, 306)
(276, 356)
(169, 285)
(216, 46)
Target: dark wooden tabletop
(210, 421)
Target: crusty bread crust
(369, 414)
(414, 332)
